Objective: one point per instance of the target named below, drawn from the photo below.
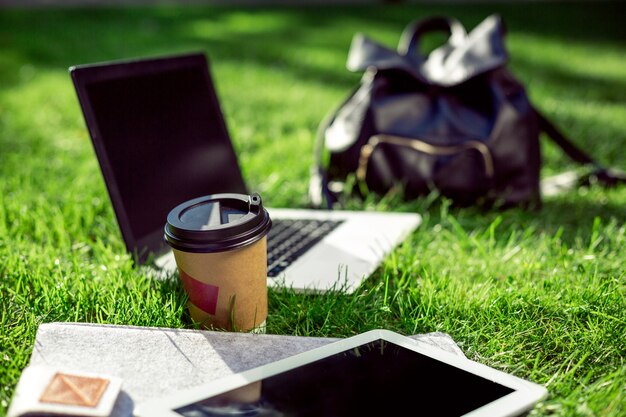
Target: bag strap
(607, 177)
(319, 193)
(571, 150)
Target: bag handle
(423, 147)
(410, 40)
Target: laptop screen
(160, 139)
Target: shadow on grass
(54, 39)
(573, 84)
(576, 218)
(57, 38)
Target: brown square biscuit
(77, 390)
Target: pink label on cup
(203, 296)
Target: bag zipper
(424, 147)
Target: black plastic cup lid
(217, 223)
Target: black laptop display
(183, 140)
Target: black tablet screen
(376, 379)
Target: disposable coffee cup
(220, 245)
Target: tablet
(378, 373)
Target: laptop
(160, 138)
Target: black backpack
(456, 121)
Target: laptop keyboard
(290, 239)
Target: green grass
(538, 294)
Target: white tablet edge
(525, 394)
